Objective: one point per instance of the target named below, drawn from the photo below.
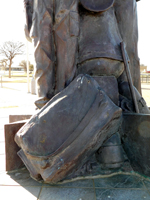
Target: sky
(12, 18)
(144, 32)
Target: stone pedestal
(15, 118)
(13, 161)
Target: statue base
(135, 142)
(13, 162)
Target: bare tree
(10, 50)
(3, 64)
(23, 64)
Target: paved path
(19, 185)
(14, 99)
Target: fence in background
(145, 78)
(1, 81)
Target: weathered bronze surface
(129, 78)
(57, 151)
(110, 87)
(68, 33)
(110, 154)
(136, 140)
(97, 6)
(80, 116)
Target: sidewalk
(14, 99)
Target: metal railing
(145, 78)
(1, 81)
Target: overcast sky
(11, 20)
(144, 31)
(12, 25)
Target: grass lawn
(18, 74)
(16, 77)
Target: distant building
(143, 68)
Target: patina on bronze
(78, 54)
(96, 5)
(58, 151)
(66, 34)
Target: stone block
(15, 118)
(13, 161)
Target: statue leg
(42, 35)
(44, 74)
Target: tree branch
(11, 49)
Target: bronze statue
(84, 53)
(70, 38)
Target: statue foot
(41, 102)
